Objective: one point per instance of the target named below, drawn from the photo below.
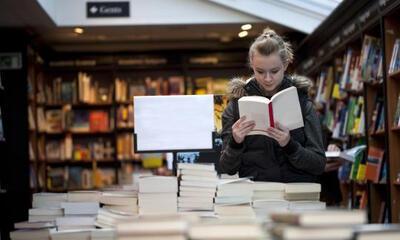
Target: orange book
(374, 164)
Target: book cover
(283, 107)
(374, 163)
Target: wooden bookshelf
(392, 32)
(380, 20)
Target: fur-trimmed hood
(236, 87)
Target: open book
(283, 107)
(348, 154)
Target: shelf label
(107, 9)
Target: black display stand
(175, 151)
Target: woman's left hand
(280, 133)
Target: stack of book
(197, 188)
(78, 215)
(121, 201)
(158, 195)
(108, 218)
(268, 197)
(234, 198)
(103, 234)
(46, 207)
(303, 196)
(325, 224)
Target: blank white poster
(174, 122)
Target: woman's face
(268, 70)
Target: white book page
(286, 108)
(255, 108)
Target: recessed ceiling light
(243, 34)
(246, 27)
(78, 30)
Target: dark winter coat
(261, 157)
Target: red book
(374, 164)
(98, 121)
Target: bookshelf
(82, 103)
(392, 34)
(346, 26)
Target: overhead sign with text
(107, 9)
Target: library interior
(199, 119)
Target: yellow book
(361, 172)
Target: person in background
(285, 156)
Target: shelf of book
(392, 41)
(96, 92)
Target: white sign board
(165, 123)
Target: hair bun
(268, 32)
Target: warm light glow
(78, 30)
(243, 34)
(246, 27)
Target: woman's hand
(280, 133)
(241, 128)
(333, 163)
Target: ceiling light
(243, 34)
(78, 30)
(246, 27)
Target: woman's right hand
(241, 128)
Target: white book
(71, 234)
(283, 107)
(302, 187)
(258, 195)
(122, 208)
(268, 186)
(80, 208)
(157, 196)
(196, 205)
(83, 196)
(33, 225)
(42, 218)
(118, 200)
(46, 211)
(195, 172)
(197, 166)
(31, 234)
(233, 200)
(74, 221)
(200, 178)
(306, 205)
(271, 204)
(156, 237)
(188, 183)
(249, 231)
(148, 184)
(158, 202)
(197, 189)
(321, 218)
(195, 200)
(196, 194)
(299, 233)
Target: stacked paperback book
(198, 183)
(269, 197)
(234, 198)
(158, 195)
(310, 225)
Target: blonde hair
(270, 42)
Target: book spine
(271, 116)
